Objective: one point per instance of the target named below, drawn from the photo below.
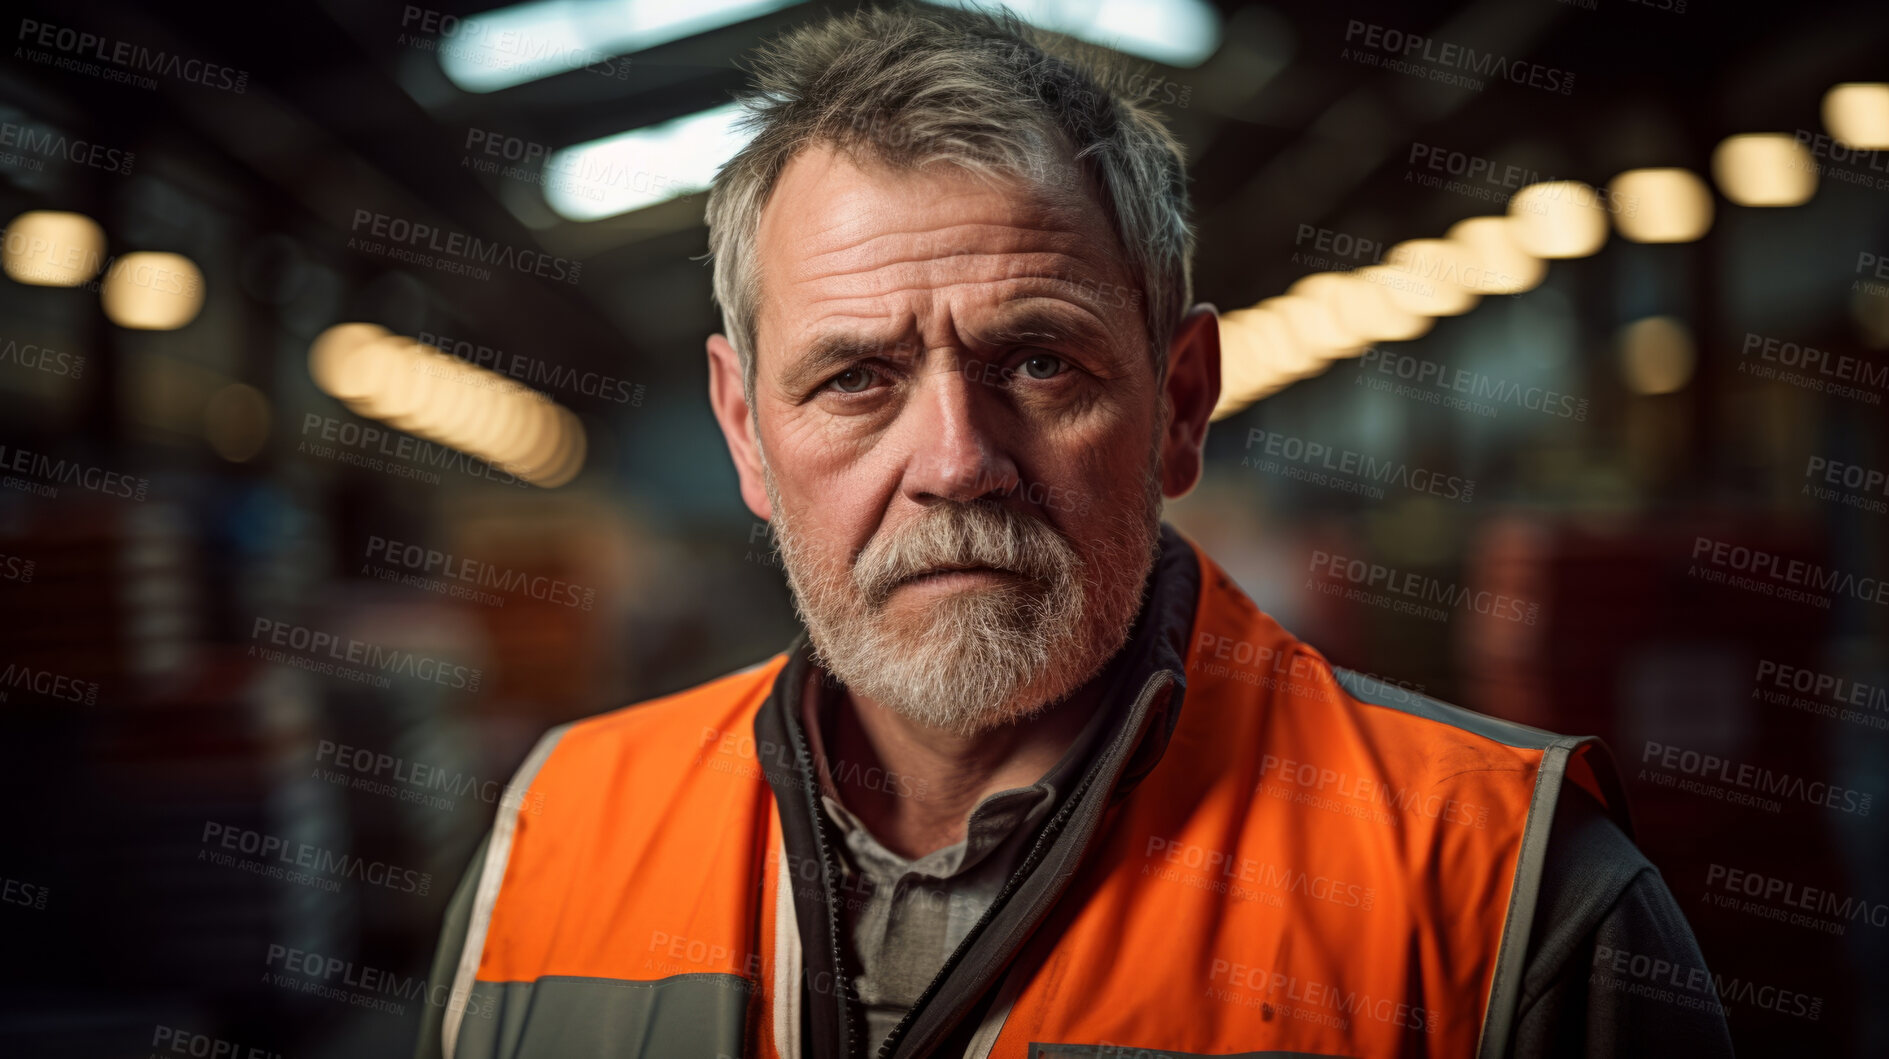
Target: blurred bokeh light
(1764, 169)
(52, 248)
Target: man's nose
(959, 447)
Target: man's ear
(1193, 387)
(730, 403)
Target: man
(1038, 779)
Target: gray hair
(913, 87)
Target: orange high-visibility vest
(1300, 861)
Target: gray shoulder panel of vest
(689, 1016)
(1382, 693)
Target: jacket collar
(1143, 688)
(1158, 642)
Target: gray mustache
(979, 533)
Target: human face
(952, 372)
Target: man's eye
(1043, 366)
(852, 380)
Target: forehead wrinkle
(1002, 305)
(918, 276)
(1060, 238)
(939, 260)
(1069, 254)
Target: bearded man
(1037, 779)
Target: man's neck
(914, 786)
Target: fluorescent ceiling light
(526, 42)
(642, 167)
(1174, 32)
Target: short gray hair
(912, 87)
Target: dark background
(345, 108)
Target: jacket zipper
(827, 869)
(981, 977)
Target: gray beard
(980, 658)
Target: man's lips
(954, 568)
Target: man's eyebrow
(1043, 324)
(829, 354)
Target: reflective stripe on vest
(1318, 864)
